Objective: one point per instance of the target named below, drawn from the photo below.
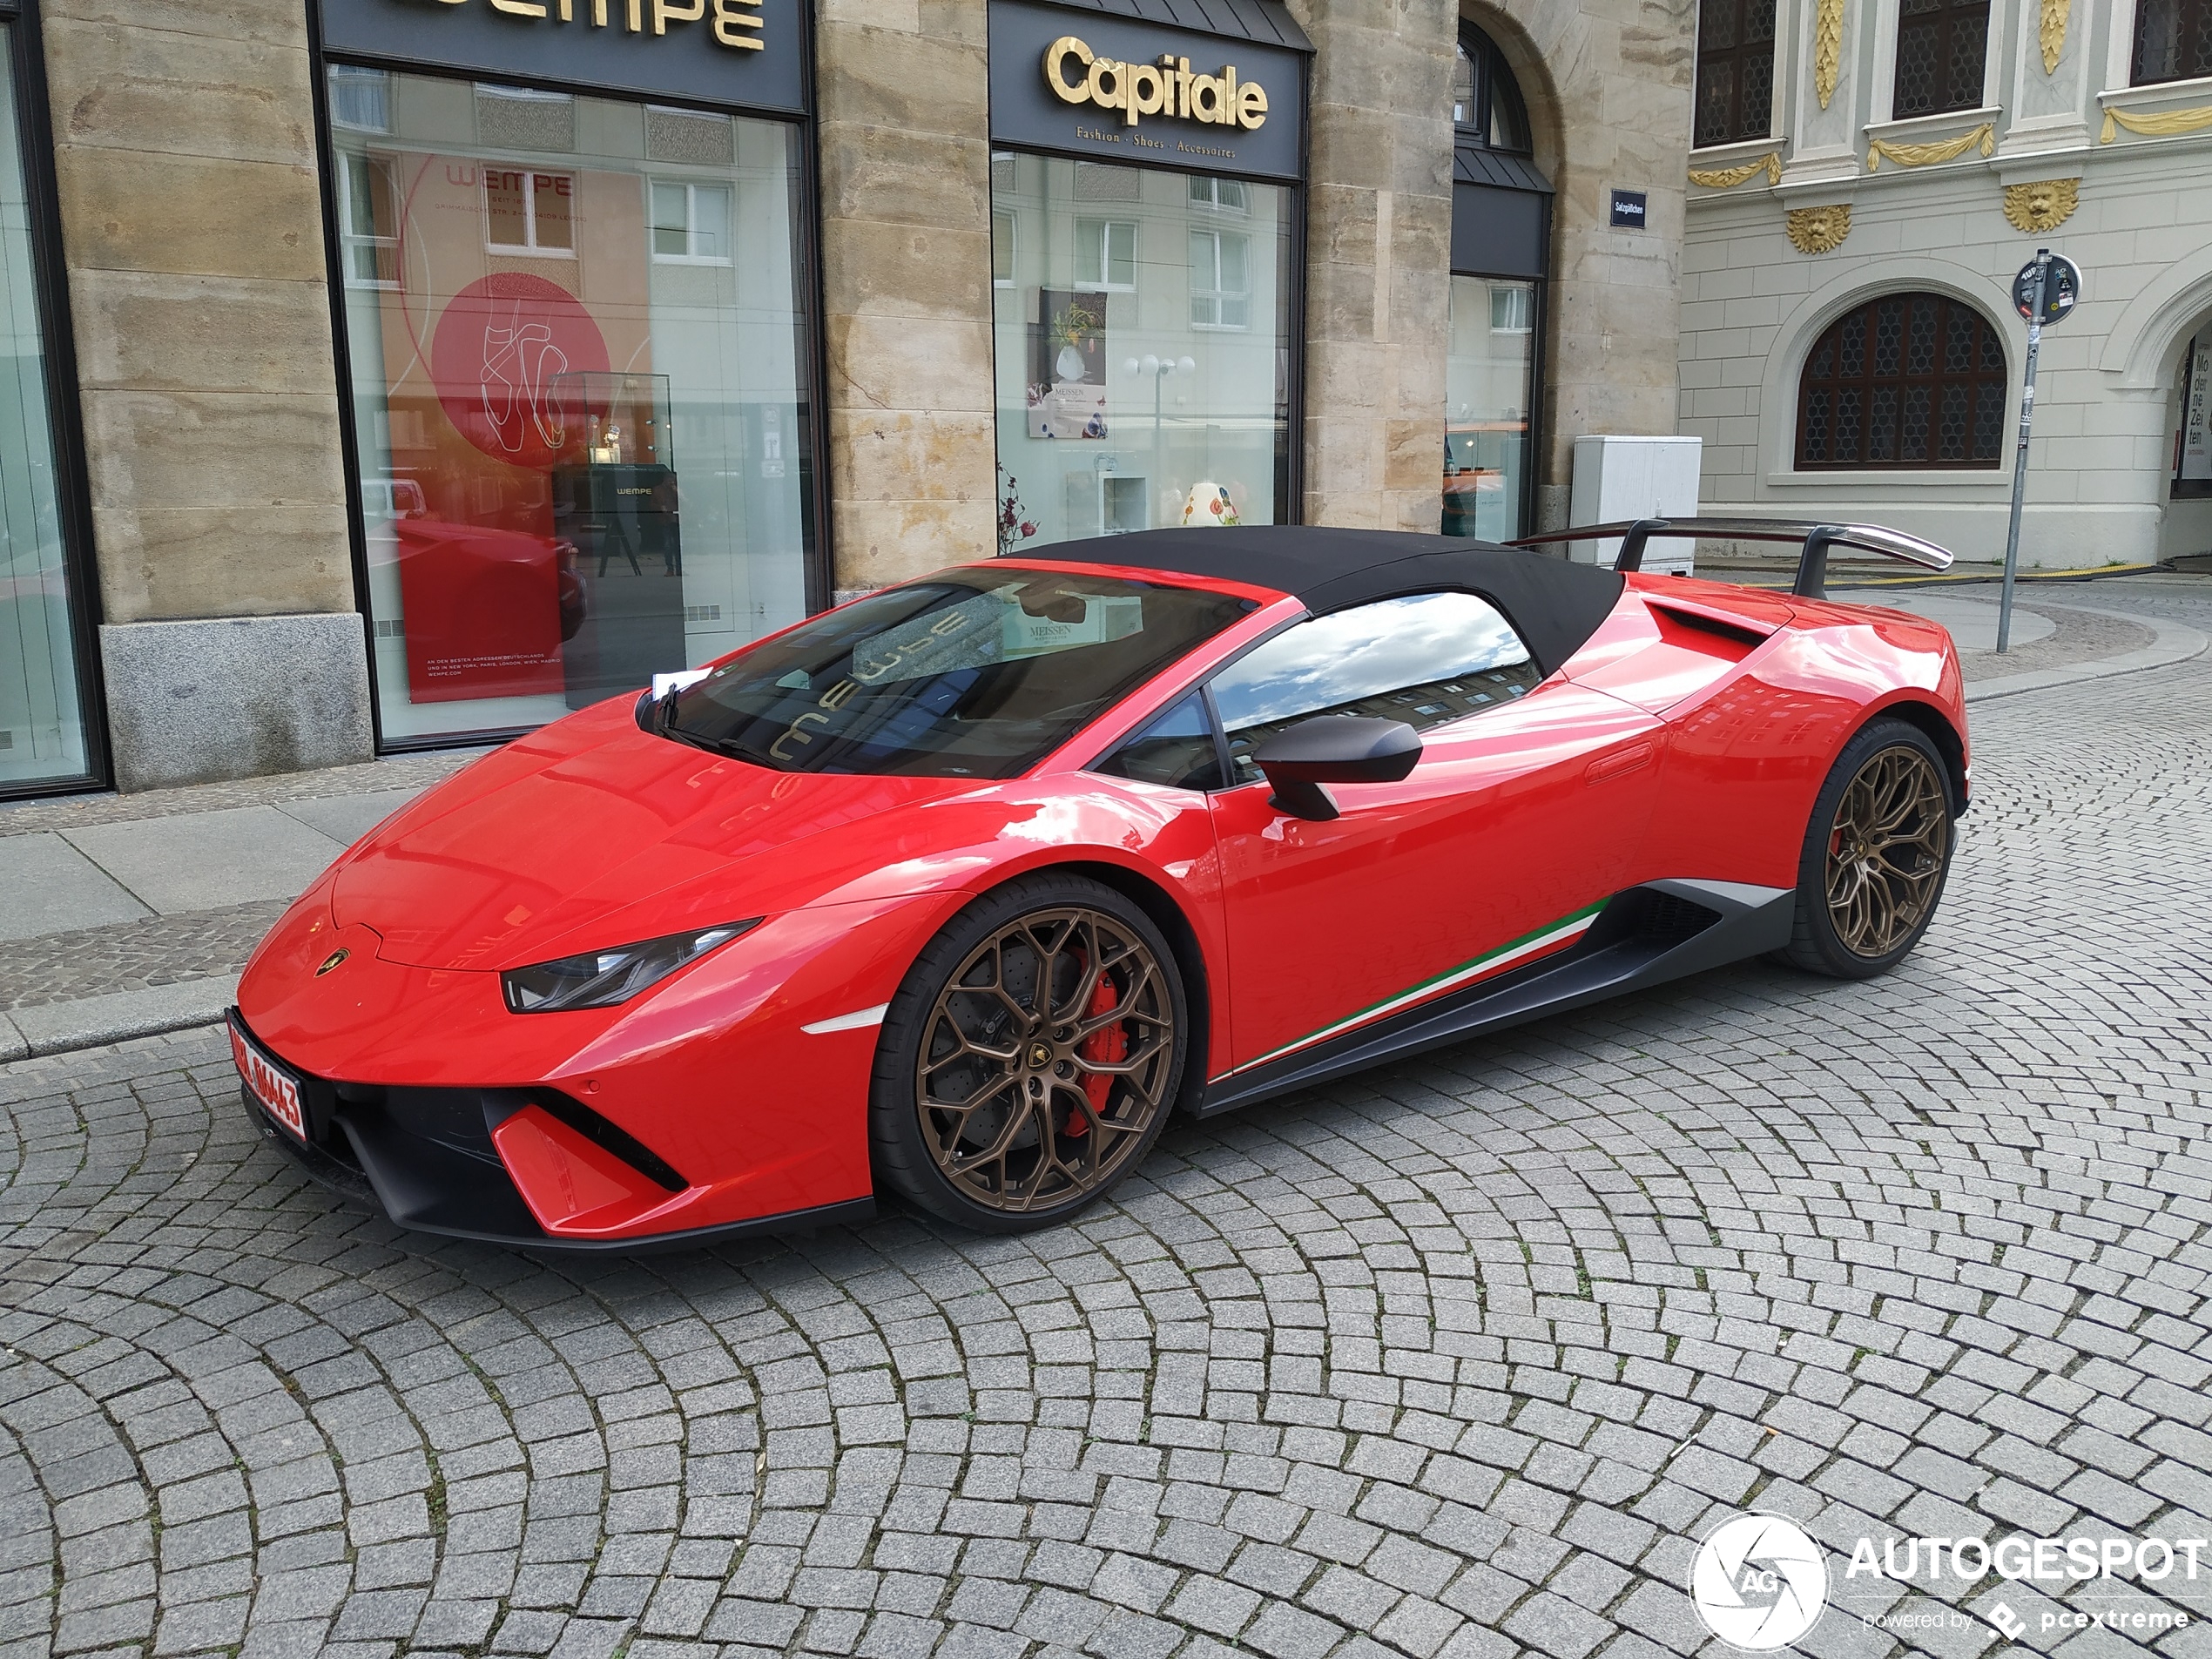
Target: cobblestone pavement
(1453, 1360)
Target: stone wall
(192, 224)
(1377, 265)
(906, 184)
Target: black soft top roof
(1553, 604)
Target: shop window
(1489, 384)
(1106, 254)
(690, 222)
(1122, 404)
(1006, 232)
(1735, 70)
(580, 461)
(1941, 45)
(529, 212)
(2193, 443)
(1221, 288)
(1908, 380)
(1487, 106)
(2173, 41)
(44, 741)
(364, 203)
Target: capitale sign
(1116, 89)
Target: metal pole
(2020, 457)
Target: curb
(2175, 642)
(93, 1022)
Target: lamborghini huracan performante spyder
(959, 891)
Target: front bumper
(498, 1165)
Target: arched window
(1487, 107)
(1908, 380)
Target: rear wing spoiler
(1812, 563)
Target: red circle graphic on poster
(499, 359)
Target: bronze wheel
(1038, 1056)
(1876, 854)
(1886, 851)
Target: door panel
(1515, 819)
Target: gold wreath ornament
(2050, 32)
(1827, 48)
(1927, 155)
(2164, 124)
(1728, 178)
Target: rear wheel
(1031, 1058)
(1876, 855)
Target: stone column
(907, 277)
(191, 224)
(1609, 87)
(1378, 261)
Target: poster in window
(1067, 389)
(2196, 415)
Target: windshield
(972, 673)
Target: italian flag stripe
(1548, 937)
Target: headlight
(600, 979)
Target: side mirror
(1333, 749)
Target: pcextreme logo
(1758, 1582)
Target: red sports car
(960, 891)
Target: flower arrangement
(1013, 529)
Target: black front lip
(425, 1158)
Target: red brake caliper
(1105, 1048)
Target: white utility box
(1627, 478)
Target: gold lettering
(1228, 96)
(637, 16)
(727, 17)
(1100, 94)
(1252, 106)
(793, 734)
(838, 694)
(519, 8)
(666, 9)
(598, 14)
(1148, 91)
(568, 10)
(1056, 56)
(1205, 96)
(1182, 87)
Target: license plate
(269, 1083)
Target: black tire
(1023, 1140)
(1876, 856)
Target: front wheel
(1875, 856)
(1031, 1058)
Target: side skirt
(1646, 936)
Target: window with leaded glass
(1940, 48)
(1735, 70)
(1908, 380)
(2173, 41)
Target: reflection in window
(529, 213)
(1940, 49)
(1220, 284)
(1223, 195)
(1427, 659)
(1005, 231)
(1489, 382)
(365, 201)
(1176, 750)
(1735, 70)
(2173, 41)
(578, 471)
(1910, 380)
(692, 222)
(1105, 255)
(361, 99)
(2193, 443)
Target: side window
(1177, 749)
(1425, 659)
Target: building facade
(392, 373)
(1869, 177)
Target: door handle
(1620, 761)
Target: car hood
(591, 832)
